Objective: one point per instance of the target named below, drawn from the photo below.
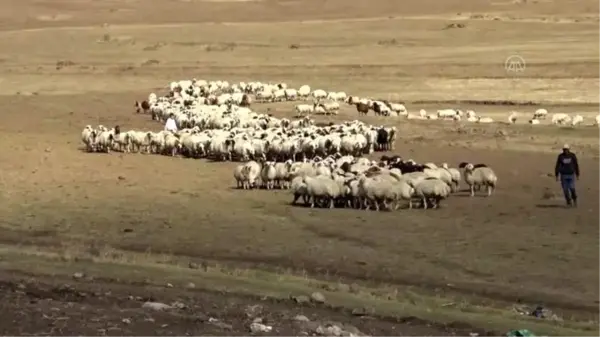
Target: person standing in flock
(568, 170)
(170, 125)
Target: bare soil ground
(65, 64)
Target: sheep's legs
(489, 190)
(424, 203)
(472, 187)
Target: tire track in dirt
(474, 17)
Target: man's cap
(566, 147)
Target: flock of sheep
(360, 183)
(322, 164)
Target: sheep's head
(469, 167)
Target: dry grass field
(141, 219)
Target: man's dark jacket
(566, 164)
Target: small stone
(126, 320)
(193, 265)
(333, 330)
(257, 320)
(257, 327)
(156, 306)
(301, 318)
(343, 287)
(301, 299)
(220, 324)
(317, 297)
(253, 310)
(190, 285)
(362, 311)
(169, 285)
(178, 305)
(78, 275)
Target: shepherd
(567, 169)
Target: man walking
(568, 169)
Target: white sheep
(534, 121)
(172, 144)
(319, 94)
(331, 107)
(304, 91)
(298, 189)
(598, 119)
(121, 141)
(512, 118)
(238, 174)
(455, 174)
(431, 191)
(302, 109)
(561, 118)
(540, 114)
(282, 174)
(291, 94)
(480, 176)
(268, 175)
(104, 141)
(251, 172)
(578, 119)
(88, 136)
(322, 189)
(484, 120)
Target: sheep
(304, 92)
(299, 189)
(534, 121)
(291, 94)
(540, 114)
(362, 108)
(481, 176)
(121, 141)
(282, 174)
(268, 175)
(251, 172)
(512, 118)
(88, 136)
(376, 190)
(560, 118)
(319, 94)
(238, 174)
(104, 141)
(484, 120)
(302, 109)
(455, 174)
(321, 188)
(598, 119)
(331, 107)
(431, 191)
(578, 119)
(449, 113)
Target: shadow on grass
(550, 206)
